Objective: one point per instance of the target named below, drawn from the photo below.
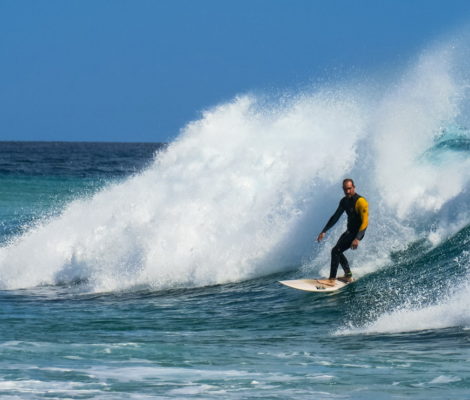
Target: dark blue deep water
(99, 301)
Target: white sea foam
(191, 390)
(443, 379)
(243, 191)
(34, 389)
(411, 116)
(224, 203)
(451, 312)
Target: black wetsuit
(357, 223)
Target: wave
(221, 204)
(243, 191)
(449, 312)
(424, 290)
(452, 312)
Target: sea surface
(150, 271)
(66, 338)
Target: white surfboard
(315, 285)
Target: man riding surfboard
(356, 208)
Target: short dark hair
(349, 180)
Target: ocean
(150, 271)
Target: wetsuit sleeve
(362, 208)
(334, 218)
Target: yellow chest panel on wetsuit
(362, 209)
(356, 208)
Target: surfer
(356, 208)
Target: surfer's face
(349, 189)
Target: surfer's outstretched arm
(333, 220)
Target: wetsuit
(356, 208)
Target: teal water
(77, 324)
(251, 340)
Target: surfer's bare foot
(328, 282)
(346, 279)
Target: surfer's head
(348, 187)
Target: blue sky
(113, 70)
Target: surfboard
(315, 285)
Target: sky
(140, 70)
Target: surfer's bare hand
(354, 244)
(320, 237)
